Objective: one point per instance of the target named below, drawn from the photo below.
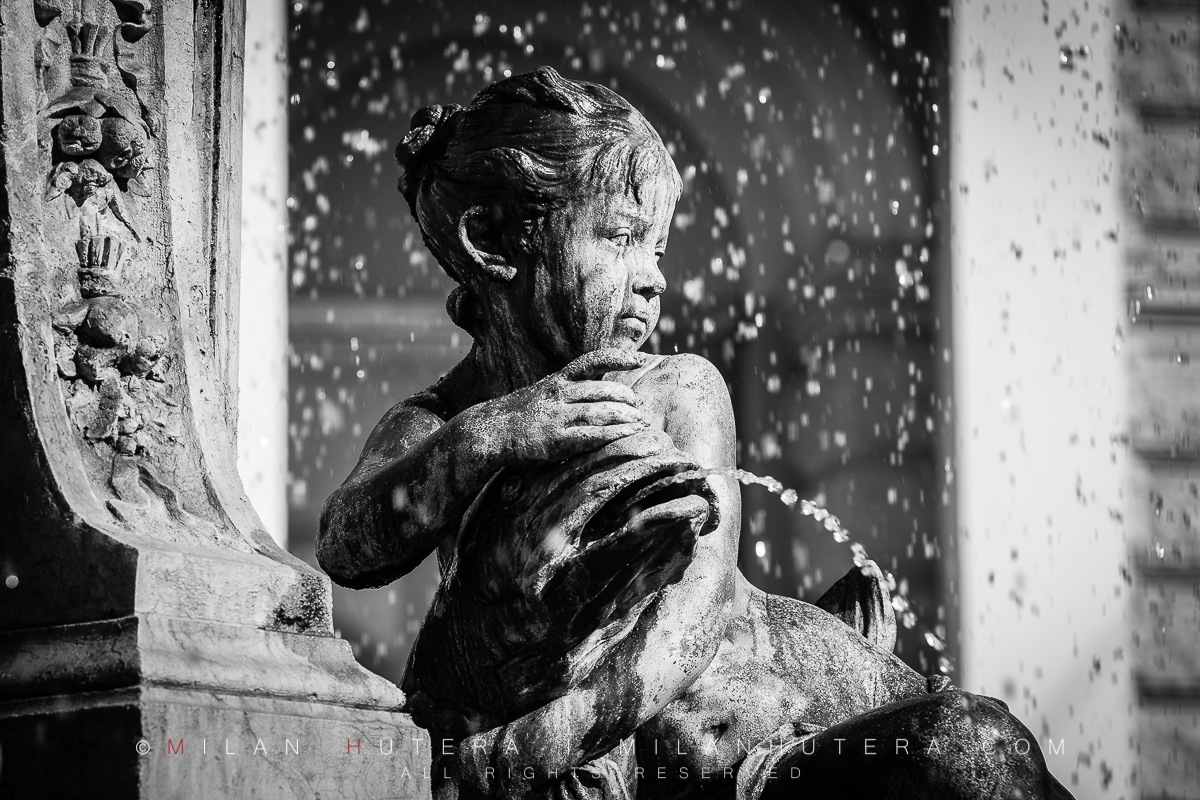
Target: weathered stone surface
(140, 595)
(530, 601)
(201, 744)
(176, 652)
(115, 284)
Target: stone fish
(550, 564)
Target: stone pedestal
(141, 601)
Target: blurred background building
(940, 252)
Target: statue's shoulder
(686, 371)
(686, 395)
(683, 384)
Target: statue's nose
(649, 281)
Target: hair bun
(427, 125)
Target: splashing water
(790, 498)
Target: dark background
(808, 259)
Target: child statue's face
(599, 282)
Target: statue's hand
(566, 413)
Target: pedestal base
(157, 743)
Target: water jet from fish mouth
(809, 508)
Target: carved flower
(114, 129)
(79, 135)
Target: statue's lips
(639, 321)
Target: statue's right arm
(414, 481)
(418, 474)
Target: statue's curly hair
(524, 146)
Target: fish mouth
(658, 489)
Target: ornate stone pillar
(142, 600)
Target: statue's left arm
(673, 642)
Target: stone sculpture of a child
(602, 653)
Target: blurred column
(262, 369)
(1159, 79)
(1042, 457)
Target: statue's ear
(476, 234)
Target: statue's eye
(621, 238)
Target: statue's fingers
(598, 362)
(593, 391)
(606, 413)
(597, 435)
